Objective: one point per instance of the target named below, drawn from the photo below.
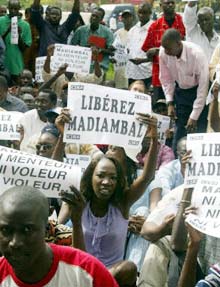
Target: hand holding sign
(63, 118)
(151, 121)
(185, 159)
(75, 201)
(194, 235)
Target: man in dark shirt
(9, 102)
(50, 30)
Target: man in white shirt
(184, 75)
(35, 120)
(199, 27)
(120, 43)
(136, 37)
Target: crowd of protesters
(117, 227)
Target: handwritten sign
(9, 124)
(14, 30)
(20, 169)
(105, 115)
(39, 66)
(78, 58)
(205, 160)
(120, 54)
(206, 197)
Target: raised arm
(190, 16)
(188, 273)
(179, 233)
(76, 204)
(61, 71)
(36, 4)
(63, 118)
(138, 187)
(153, 232)
(214, 110)
(76, 6)
(36, 16)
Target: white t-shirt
(70, 267)
(32, 128)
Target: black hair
(52, 95)
(100, 9)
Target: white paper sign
(39, 66)
(205, 160)
(79, 160)
(105, 115)
(9, 124)
(163, 124)
(78, 58)
(206, 196)
(14, 30)
(120, 54)
(20, 169)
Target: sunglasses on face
(44, 146)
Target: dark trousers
(158, 94)
(184, 99)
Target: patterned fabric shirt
(212, 279)
(153, 40)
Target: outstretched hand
(63, 118)
(76, 202)
(151, 121)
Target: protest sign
(79, 160)
(14, 30)
(9, 124)
(39, 65)
(20, 169)
(120, 54)
(205, 160)
(163, 124)
(105, 115)
(206, 197)
(78, 58)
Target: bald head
(25, 196)
(171, 42)
(171, 35)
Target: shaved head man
(28, 260)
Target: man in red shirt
(27, 260)
(152, 43)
